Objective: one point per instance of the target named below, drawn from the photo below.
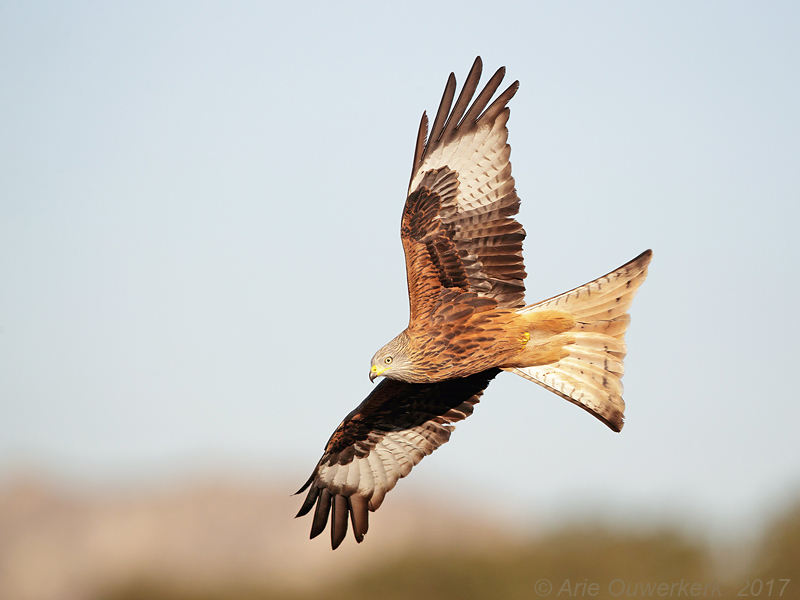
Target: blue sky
(199, 239)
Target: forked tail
(590, 374)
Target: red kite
(468, 318)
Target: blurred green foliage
(582, 555)
(778, 556)
(564, 564)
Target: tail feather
(605, 298)
(601, 342)
(560, 378)
(590, 374)
(614, 327)
(598, 359)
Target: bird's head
(392, 360)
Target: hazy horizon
(199, 240)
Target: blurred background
(199, 253)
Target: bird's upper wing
(379, 442)
(458, 227)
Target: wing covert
(378, 443)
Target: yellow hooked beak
(375, 372)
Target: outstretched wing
(458, 226)
(378, 443)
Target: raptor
(468, 317)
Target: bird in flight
(468, 317)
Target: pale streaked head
(392, 360)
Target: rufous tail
(589, 375)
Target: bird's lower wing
(378, 443)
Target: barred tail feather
(605, 298)
(590, 374)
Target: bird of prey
(468, 318)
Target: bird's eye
(388, 360)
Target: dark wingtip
(359, 516)
(321, 514)
(339, 521)
(308, 503)
(305, 485)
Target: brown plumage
(464, 263)
(468, 318)
(378, 443)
